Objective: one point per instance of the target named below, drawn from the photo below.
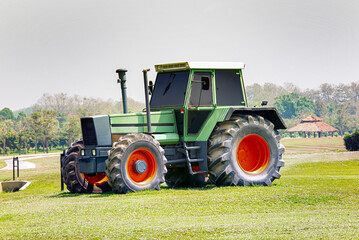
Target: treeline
(337, 104)
(82, 106)
(52, 123)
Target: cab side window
(229, 88)
(201, 92)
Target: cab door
(200, 102)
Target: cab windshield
(170, 89)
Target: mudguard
(269, 113)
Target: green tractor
(196, 129)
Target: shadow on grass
(206, 188)
(164, 188)
(109, 194)
(74, 195)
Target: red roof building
(312, 124)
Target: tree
(71, 130)
(48, 127)
(319, 109)
(59, 102)
(257, 93)
(293, 105)
(354, 91)
(21, 116)
(326, 92)
(6, 113)
(6, 128)
(21, 127)
(304, 105)
(344, 117)
(285, 106)
(44, 125)
(35, 125)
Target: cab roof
(198, 65)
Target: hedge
(351, 141)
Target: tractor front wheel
(136, 162)
(245, 150)
(77, 182)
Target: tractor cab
(194, 90)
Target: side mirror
(264, 103)
(150, 87)
(205, 83)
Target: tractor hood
(106, 129)
(161, 122)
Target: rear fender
(269, 113)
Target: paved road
(31, 155)
(25, 164)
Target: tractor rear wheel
(77, 182)
(245, 150)
(136, 162)
(180, 177)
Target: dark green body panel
(163, 124)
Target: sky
(75, 47)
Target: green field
(316, 198)
(313, 145)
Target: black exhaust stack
(149, 130)
(122, 80)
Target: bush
(351, 141)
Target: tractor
(196, 129)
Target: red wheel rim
(96, 180)
(148, 175)
(253, 154)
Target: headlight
(82, 152)
(93, 152)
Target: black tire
(245, 150)
(74, 180)
(120, 166)
(181, 178)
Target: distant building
(312, 124)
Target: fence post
(15, 159)
(18, 166)
(13, 168)
(62, 180)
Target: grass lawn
(313, 145)
(316, 198)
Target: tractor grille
(88, 131)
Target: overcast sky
(75, 46)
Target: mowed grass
(313, 145)
(316, 198)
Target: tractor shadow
(109, 194)
(76, 195)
